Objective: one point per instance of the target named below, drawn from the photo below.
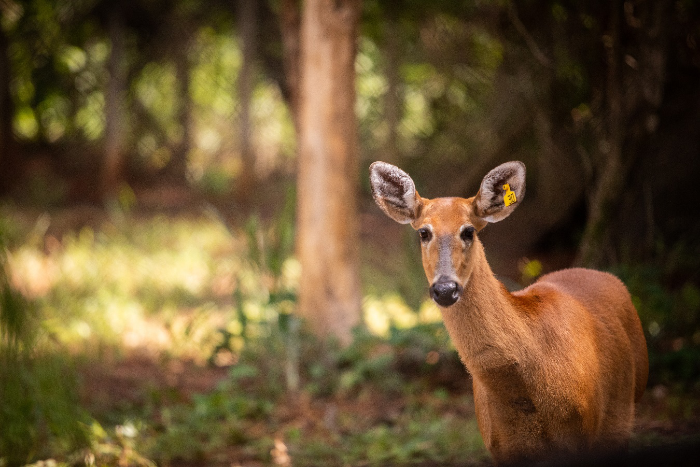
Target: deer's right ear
(394, 192)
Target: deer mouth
(445, 292)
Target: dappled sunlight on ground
(31, 272)
(162, 284)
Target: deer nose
(445, 292)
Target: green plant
(39, 411)
(666, 294)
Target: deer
(556, 367)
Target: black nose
(445, 292)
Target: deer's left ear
(502, 190)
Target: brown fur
(556, 367)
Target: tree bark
(327, 217)
(114, 158)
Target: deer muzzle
(445, 291)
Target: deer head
(448, 227)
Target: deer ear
(501, 191)
(394, 192)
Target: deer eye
(425, 235)
(467, 234)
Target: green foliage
(102, 284)
(271, 245)
(39, 413)
(420, 434)
(418, 356)
(667, 298)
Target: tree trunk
(393, 100)
(7, 159)
(607, 186)
(633, 95)
(177, 168)
(290, 25)
(247, 18)
(114, 158)
(327, 217)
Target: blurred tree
(327, 216)
(247, 24)
(290, 25)
(635, 48)
(177, 167)
(393, 101)
(6, 115)
(183, 23)
(114, 162)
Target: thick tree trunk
(327, 218)
(114, 158)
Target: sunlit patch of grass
(165, 283)
(381, 313)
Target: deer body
(556, 367)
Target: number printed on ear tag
(509, 197)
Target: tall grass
(39, 410)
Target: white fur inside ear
(393, 191)
(492, 219)
(489, 201)
(489, 193)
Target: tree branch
(529, 40)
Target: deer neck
(485, 327)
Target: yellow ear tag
(509, 197)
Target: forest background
(152, 161)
